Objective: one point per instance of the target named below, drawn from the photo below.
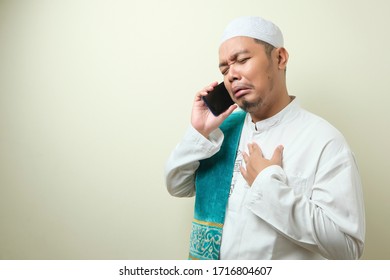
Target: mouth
(240, 90)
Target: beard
(250, 106)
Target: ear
(282, 58)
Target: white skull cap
(254, 27)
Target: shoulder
(319, 124)
(322, 131)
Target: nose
(233, 73)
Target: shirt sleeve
(184, 160)
(328, 219)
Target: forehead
(235, 46)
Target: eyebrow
(233, 57)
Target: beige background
(95, 94)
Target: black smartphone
(218, 100)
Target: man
(272, 181)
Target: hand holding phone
(218, 100)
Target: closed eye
(224, 70)
(243, 60)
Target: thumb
(278, 155)
(230, 110)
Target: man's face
(250, 76)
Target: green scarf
(212, 182)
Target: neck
(268, 110)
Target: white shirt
(311, 208)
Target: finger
(250, 148)
(213, 84)
(245, 156)
(277, 157)
(199, 95)
(230, 110)
(206, 90)
(256, 149)
(243, 172)
(210, 87)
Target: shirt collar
(286, 113)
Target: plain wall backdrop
(94, 95)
